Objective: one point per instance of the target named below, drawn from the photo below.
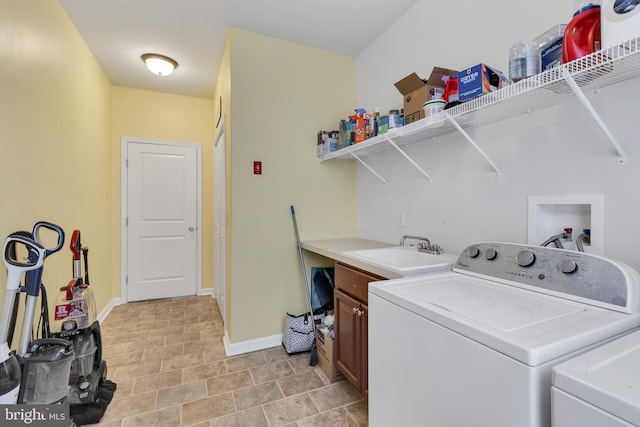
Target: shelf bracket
(472, 142)
(406, 156)
(622, 156)
(368, 167)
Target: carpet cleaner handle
(36, 254)
(76, 248)
(34, 260)
(36, 235)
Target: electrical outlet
(402, 219)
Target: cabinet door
(348, 341)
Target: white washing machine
(476, 346)
(600, 388)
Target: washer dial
(568, 266)
(525, 258)
(490, 254)
(473, 252)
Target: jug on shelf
(582, 35)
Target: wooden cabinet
(351, 324)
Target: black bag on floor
(299, 332)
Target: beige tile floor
(167, 358)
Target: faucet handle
(436, 249)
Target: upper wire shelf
(551, 87)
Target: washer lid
(528, 326)
(606, 377)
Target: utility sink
(403, 260)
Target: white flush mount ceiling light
(159, 65)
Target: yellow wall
(61, 124)
(281, 94)
(160, 116)
(55, 118)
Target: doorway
(160, 219)
(220, 219)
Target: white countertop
(334, 248)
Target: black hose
(85, 252)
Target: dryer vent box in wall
(549, 216)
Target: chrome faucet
(425, 245)
(555, 239)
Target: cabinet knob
(360, 313)
(355, 310)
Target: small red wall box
(257, 168)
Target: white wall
(553, 152)
(453, 35)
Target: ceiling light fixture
(159, 65)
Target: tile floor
(167, 358)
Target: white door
(220, 219)
(161, 220)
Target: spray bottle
(360, 125)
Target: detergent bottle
(582, 35)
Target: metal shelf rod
(406, 156)
(368, 167)
(473, 143)
(622, 156)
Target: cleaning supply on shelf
(582, 35)
(450, 89)
(518, 60)
(394, 119)
(433, 107)
(550, 47)
(342, 134)
(620, 21)
(359, 124)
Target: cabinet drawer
(354, 282)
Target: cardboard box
(478, 80)
(417, 91)
(324, 347)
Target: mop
(314, 351)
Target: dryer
(476, 346)
(600, 388)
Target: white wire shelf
(578, 78)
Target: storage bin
(326, 360)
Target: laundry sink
(403, 260)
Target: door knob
(191, 228)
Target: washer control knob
(568, 266)
(525, 258)
(473, 252)
(490, 254)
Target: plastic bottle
(518, 60)
(394, 116)
(582, 35)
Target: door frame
(220, 256)
(124, 186)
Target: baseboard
(105, 311)
(206, 291)
(234, 349)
